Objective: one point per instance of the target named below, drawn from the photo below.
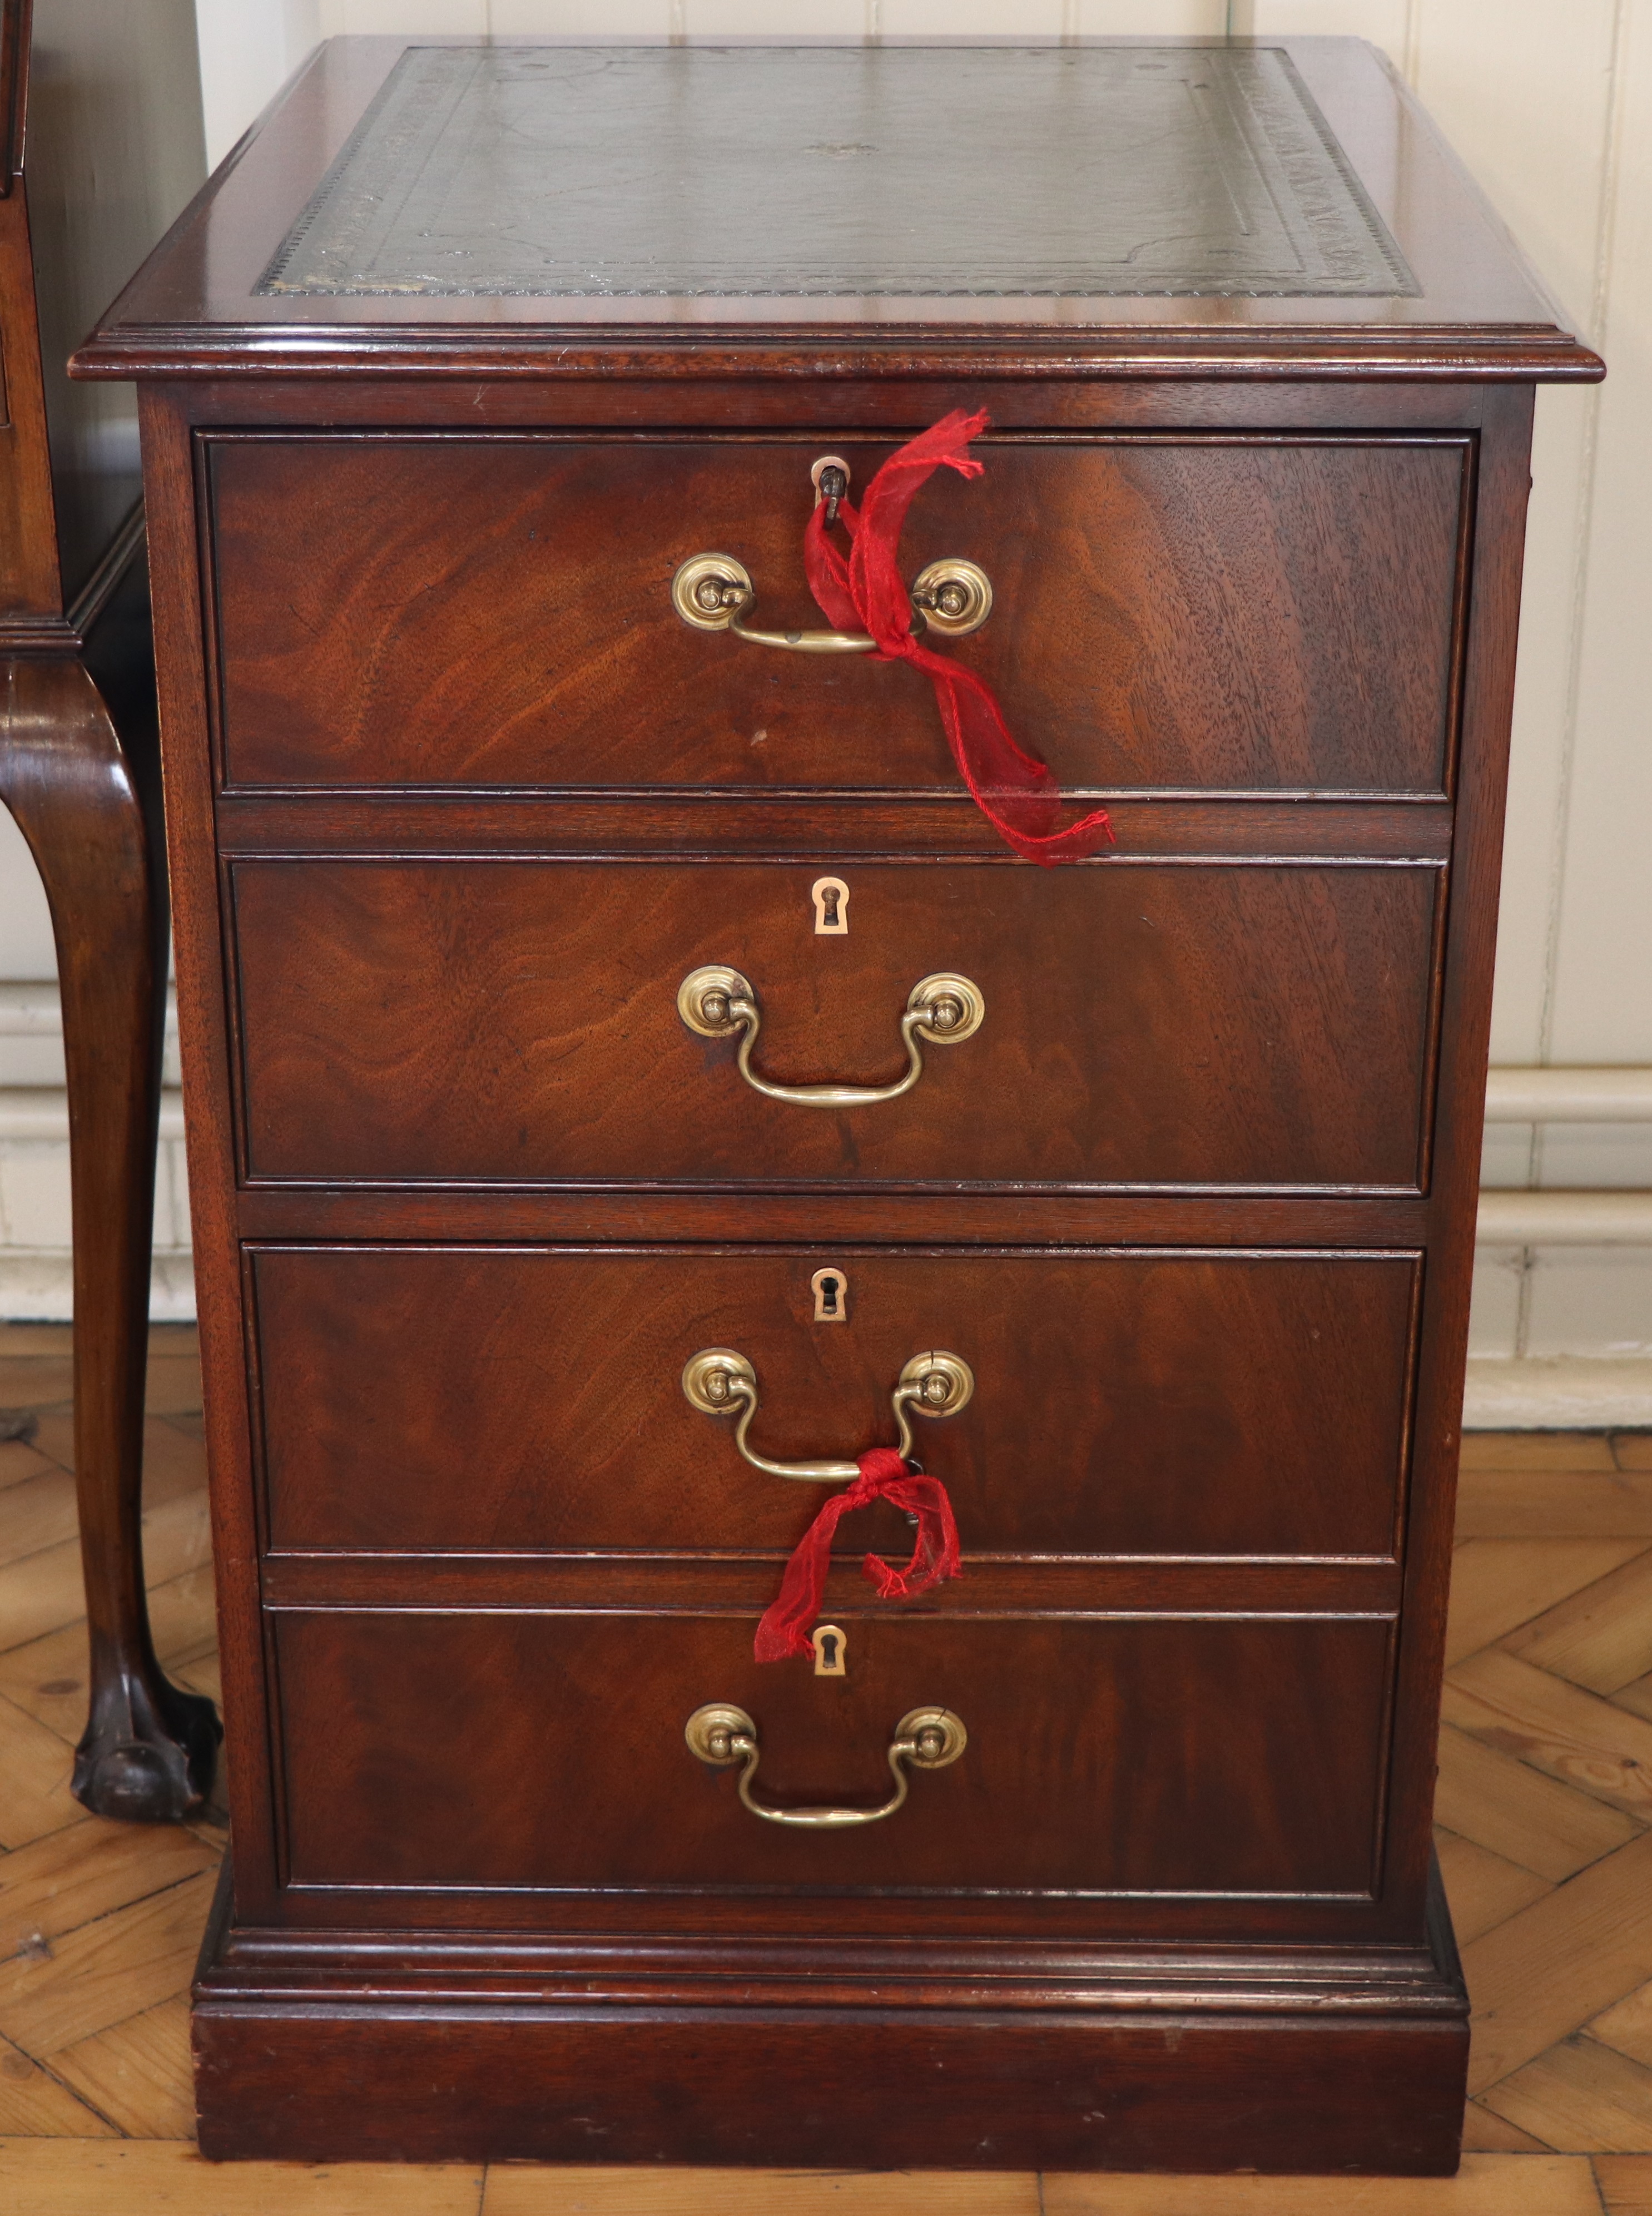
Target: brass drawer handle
(928, 1738)
(716, 1380)
(717, 1001)
(712, 591)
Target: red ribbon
(1017, 792)
(883, 1476)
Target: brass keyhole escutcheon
(830, 899)
(830, 1291)
(830, 1650)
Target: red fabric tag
(785, 1626)
(1016, 792)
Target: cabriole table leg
(150, 1750)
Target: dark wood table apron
(443, 381)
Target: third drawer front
(1244, 1025)
(1125, 1402)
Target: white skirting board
(1565, 1393)
(38, 1286)
(36, 1275)
(1562, 1335)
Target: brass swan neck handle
(927, 1739)
(717, 1001)
(714, 592)
(718, 1382)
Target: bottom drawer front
(1162, 1755)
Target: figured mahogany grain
(498, 1399)
(1206, 613)
(517, 1020)
(1162, 1757)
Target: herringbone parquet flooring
(1545, 1839)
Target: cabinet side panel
(169, 496)
(1464, 999)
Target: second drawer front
(1250, 1025)
(503, 1399)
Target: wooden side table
(79, 771)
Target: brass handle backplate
(717, 1001)
(714, 592)
(718, 1382)
(927, 1739)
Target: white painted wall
(1552, 109)
(249, 49)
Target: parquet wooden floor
(1545, 1839)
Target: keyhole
(830, 1291)
(830, 899)
(830, 1650)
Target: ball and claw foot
(144, 1759)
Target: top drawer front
(1208, 613)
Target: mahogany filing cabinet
(630, 1082)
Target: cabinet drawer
(1204, 1755)
(1144, 1024)
(1221, 614)
(495, 1399)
